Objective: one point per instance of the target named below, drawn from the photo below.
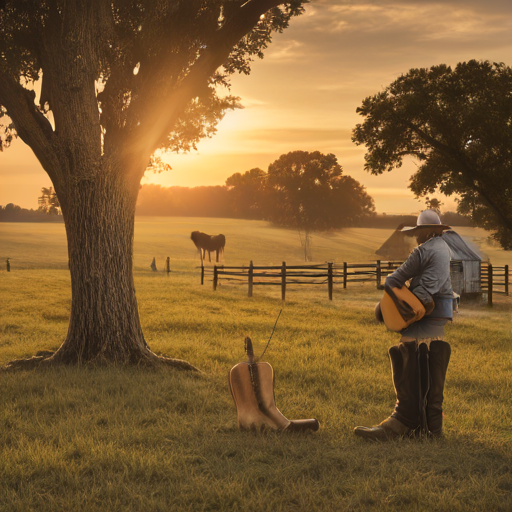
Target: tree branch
(472, 182)
(162, 116)
(31, 125)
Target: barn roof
(398, 246)
(459, 249)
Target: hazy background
(304, 94)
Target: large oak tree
(458, 124)
(119, 80)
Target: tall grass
(129, 439)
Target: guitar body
(252, 388)
(400, 308)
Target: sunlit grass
(129, 439)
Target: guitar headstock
(249, 350)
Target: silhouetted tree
(121, 80)
(458, 124)
(248, 193)
(48, 202)
(309, 192)
(433, 203)
(14, 213)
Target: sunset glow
(304, 94)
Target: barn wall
(457, 276)
(472, 279)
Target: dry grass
(128, 439)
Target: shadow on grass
(129, 439)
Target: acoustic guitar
(252, 387)
(399, 308)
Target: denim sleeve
(407, 270)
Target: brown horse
(208, 243)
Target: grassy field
(123, 439)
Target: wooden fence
(326, 274)
(493, 279)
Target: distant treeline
(222, 201)
(393, 221)
(215, 201)
(14, 213)
(185, 201)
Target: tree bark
(104, 325)
(104, 322)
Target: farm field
(42, 245)
(123, 439)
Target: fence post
(202, 273)
(329, 279)
(506, 279)
(215, 277)
(379, 275)
(168, 265)
(251, 276)
(344, 274)
(283, 281)
(489, 285)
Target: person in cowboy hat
(420, 360)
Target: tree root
(46, 359)
(27, 364)
(178, 364)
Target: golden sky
(304, 93)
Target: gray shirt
(429, 268)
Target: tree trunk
(104, 327)
(104, 324)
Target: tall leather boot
(423, 355)
(438, 364)
(405, 418)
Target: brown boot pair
(418, 376)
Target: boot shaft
(404, 366)
(439, 358)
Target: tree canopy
(458, 124)
(310, 192)
(151, 69)
(119, 79)
(300, 190)
(248, 193)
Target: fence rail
(328, 274)
(492, 279)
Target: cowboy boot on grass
(405, 419)
(438, 364)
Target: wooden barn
(465, 266)
(465, 263)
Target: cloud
(389, 191)
(290, 51)
(252, 102)
(298, 135)
(380, 25)
(279, 140)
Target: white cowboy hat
(427, 219)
